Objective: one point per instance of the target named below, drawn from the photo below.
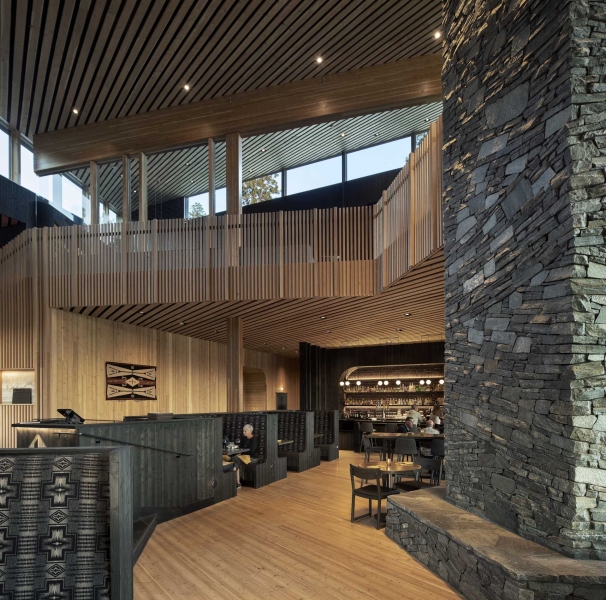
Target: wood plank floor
(289, 540)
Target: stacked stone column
(525, 216)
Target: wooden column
(143, 204)
(93, 192)
(234, 174)
(212, 208)
(235, 366)
(126, 203)
(14, 155)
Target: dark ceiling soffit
(408, 82)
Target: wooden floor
(289, 540)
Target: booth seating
(271, 467)
(326, 423)
(298, 426)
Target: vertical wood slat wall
(408, 220)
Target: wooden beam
(14, 155)
(212, 207)
(235, 365)
(93, 193)
(233, 176)
(407, 82)
(143, 202)
(126, 200)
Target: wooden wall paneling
(211, 177)
(233, 178)
(254, 390)
(126, 189)
(143, 185)
(235, 352)
(93, 192)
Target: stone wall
(482, 560)
(525, 210)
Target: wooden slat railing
(408, 225)
(355, 251)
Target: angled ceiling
(112, 58)
(182, 173)
(410, 310)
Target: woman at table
(250, 443)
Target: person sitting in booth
(408, 426)
(250, 442)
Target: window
(43, 186)
(3, 153)
(198, 206)
(419, 137)
(71, 197)
(315, 175)
(384, 157)
(261, 189)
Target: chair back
(433, 466)
(364, 474)
(367, 442)
(391, 428)
(437, 448)
(406, 447)
(366, 427)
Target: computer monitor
(71, 417)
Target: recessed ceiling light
(262, 149)
(437, 35)
(187, 164)
(141, 312)
(399, 329)
(182, 323)
(186, 88)
(407, 314)
(342, 134)
(319, 60)
(283, 348)
(322, 317)
(328, 331)
(75, 111)
(265, 343)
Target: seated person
(415, 415)
(408, 426)
(250, 443)
(429, 427)
(436, 414)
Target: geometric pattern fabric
(54, 527)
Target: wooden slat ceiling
(184, 173)
(112, 58)
(278, 326)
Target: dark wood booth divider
(326, 424)
(298, 426)
(177, 464)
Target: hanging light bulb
(341, 383)
(347, 383)
(398, 382)
(379, 383)
(441, 382)
(428, 382)
(422, 382)
(386, 383)
(358, 383)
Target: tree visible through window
(260, 189)
(196, 210)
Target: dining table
(390, 469)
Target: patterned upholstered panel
(291, 426)
(54, 527)
(324, 423)
(232, 428)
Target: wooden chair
(371, 491)
(364, 429)
(406, 447)
(391, 427)
(435, 475)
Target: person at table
(429, 427)
(408, 426)
(415, 415)
(249, 443)
(436, 414)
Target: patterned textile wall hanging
(130, 382)
(54, 527)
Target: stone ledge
(484, 560)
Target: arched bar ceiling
(185, 172)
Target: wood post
(126, 203)
(212, 207)
(235, 367)
(93, 192)
(143, 203)
(234, 174)
(14, 155)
